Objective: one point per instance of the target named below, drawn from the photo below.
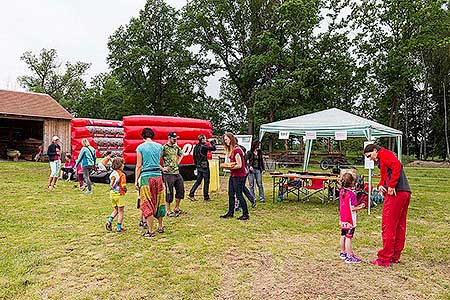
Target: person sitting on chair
(69, 168)
(104, 163)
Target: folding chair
(315, 186)
(292, 186)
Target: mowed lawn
(53, 245)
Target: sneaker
(149, 234)
(108, 226)
(88, 192)
(160, 230)
(244, 217)
(121, 229)
(353, 259)
(343, 255)
(192, 198)
(380, 263)
(253, 204)
(262, 200)
(207, 199)
(237, 209)
(226, 216)
(356, 258)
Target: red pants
(393, 226)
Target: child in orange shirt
(117, 192)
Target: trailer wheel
(325, 164)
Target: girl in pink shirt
(347, 218)
(80, 176)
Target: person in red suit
(397, 194)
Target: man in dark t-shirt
(54, 157)
(202, 166)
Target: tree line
(386, 60)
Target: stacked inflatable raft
(187, 129)
(103, 135)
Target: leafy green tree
(151, 60)
(64, 84)
(316, 70)
(242, 35)
(392, 40)
(105, 98)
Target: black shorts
(348, 233)
(173, 181)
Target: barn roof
(31, 104)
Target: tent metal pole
(261, 134)
(369, 136)
(309, 151)
(307, 155)
(399, 148)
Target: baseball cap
(173, 134)
(55, 138)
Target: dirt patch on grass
(231, 266)
(429, 164)
(296, 274)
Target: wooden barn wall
(61, 128)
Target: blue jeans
(256, 175)
(236, 189)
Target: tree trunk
(406, 126)
(271, 119)
(391, 121)
(329, 145)
(424, 117)
(245, 97)
(446, 124)
(270, 143)
(251, 124)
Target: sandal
(172, 214)
(108, 226)
(161, 230)
(149, 234)
(179, 212)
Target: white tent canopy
(325, 123)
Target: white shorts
(101, 167)
(54, 168)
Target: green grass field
(53, 245)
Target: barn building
(29, 120)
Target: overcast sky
(77, 29)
